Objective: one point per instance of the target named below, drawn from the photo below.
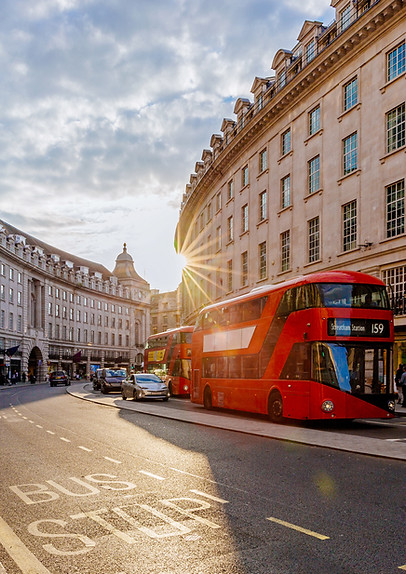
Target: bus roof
(183, 329)
(338, 276)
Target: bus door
(196, 384)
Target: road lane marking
(32, 422)
(151, 475)
(84, 448)
(15, 548)
(402, 567)
(50, 432)
(39, 427)
(200, 493)
(64, 439)
(112, 460)
(299, 528)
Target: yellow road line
(299, 528)
(15, 548)
(402, 567)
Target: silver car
(144, 386)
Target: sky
(106, 106)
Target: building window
(244, 218)
(286, 142)
(244, 176)
(395, 128)
(263, 206)
(313, 240)
(244, 268)
(11, 322)
(396, 279)
(350, 153)
(209, 213)
(396, 62)
(395, 209)
(230, 229)
(285, 192)
(19, 298)
(345, 17)
(310, 51)
(263, 160)
(314, 121)
(350, 226)
(314, 174)
(282, 79)
(262, 261)
(11, 296)
(20, 323)
(229, 275)
(230, 190)
(3, 269)
(218, 201)
(285, 250)
(2, 319)
(350, 94)
(218, 238)
(11, 276)
(260, 102)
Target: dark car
(58, 378)
(144, 386)
(108, 380)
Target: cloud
(105, 108)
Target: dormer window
(310, 51)
(345, 17)
(282, 79)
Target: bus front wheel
(207, 402)
(275, 407)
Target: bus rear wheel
(207, 401)
(275, 407)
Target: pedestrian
(24, 377)
(402, 384)
(399, 389)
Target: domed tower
(128, 278)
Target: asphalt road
(87, 488)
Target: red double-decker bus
(168, 354)
(316, 347)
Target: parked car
(58, 378)
(144, 386)
(107, 380)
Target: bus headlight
(391, 406)
(327, 406)
(186, 388)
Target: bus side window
(250, 367)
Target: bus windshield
(353, 295)
(357, 369)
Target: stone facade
(311, 174)
(59, 311)
(165, 311)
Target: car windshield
(115, 373)
(148, 379)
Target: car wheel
(165, 399)
(123, 396)
(207, 399)
(275, 407)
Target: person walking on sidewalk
(398, 376)
(402, 384)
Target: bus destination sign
(357, 328)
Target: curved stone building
(311, 173)
(60, 311)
